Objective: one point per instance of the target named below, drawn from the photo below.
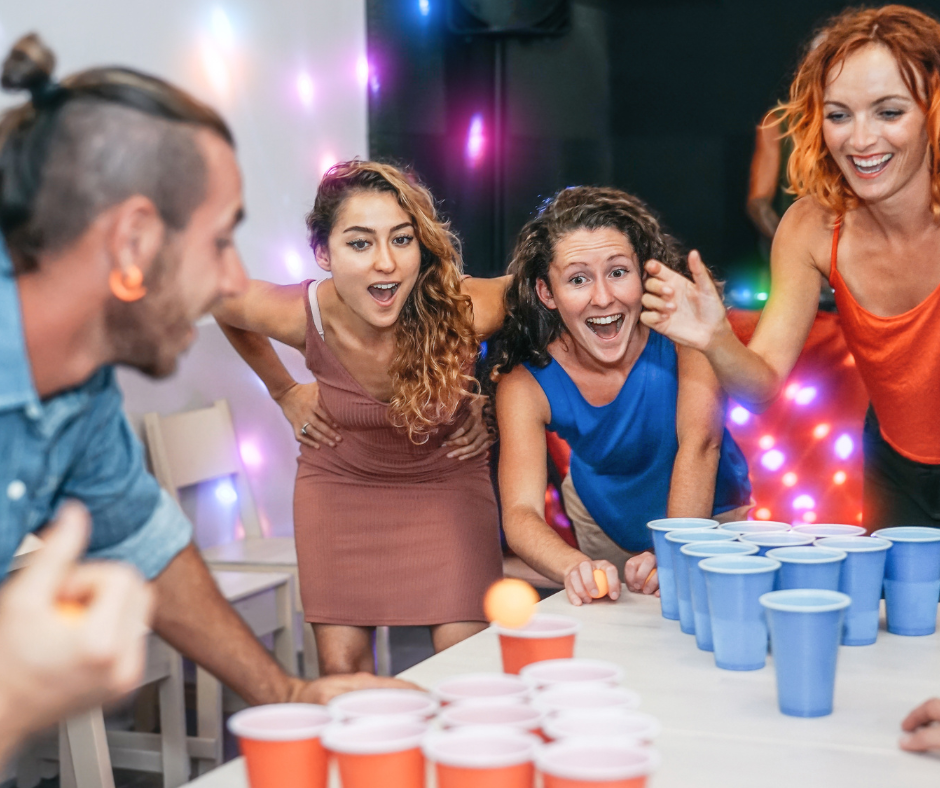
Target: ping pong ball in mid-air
(71, 612)
(510, 603)
(600, 580)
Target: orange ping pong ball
(600, 579)
(72, 612)
(510, 603)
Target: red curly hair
(913, 38)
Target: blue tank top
(622, 453)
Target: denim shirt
(76, 444)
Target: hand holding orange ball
(510, 603)
(600, 579)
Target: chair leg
(383, 652)
(173, 725)
(209, 717)
(84, 761)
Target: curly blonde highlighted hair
(913, 38)
(436, 346)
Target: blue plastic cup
(768, 541)
(912, 579)
(805, 627)
(693, 554)
(741, 527)
(680, 568)
(808, 567)
(734, 585)
(668, 596)
(822, 530)
(862, 578)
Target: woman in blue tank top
(644, 419)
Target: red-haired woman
(396, 524)
(864, 118)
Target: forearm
(194, 618)
(12, 733)
(260, 355)
(743, 374)
(692, 489)
(537, 543)
(761, 212)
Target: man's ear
(543, 291)
(322, 255)
(136, 235)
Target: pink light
(766, 442)
(327, 160)
(844, 446)
(805, 395)
(251, 456)
(820, 431)
(804, 501)
(809, 517)
(363, 70)
(773, 460)
(305, 90)
(475, 140)
(789, 479)
(839, 477)
(740, 415)
(792, 390)
(762, 514)
(294, 264)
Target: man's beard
(150, 334)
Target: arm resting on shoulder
(488, 300)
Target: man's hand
(311, 423)
(324, 690)
(640, 574)
(472, 437)
(923, 728)
(71, 636)
(581, 587)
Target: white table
(723, 728)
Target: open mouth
(606, 327)
(383, 292)
(870, 165)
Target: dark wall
(659, 97)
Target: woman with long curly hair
(864, 117)
(396, 523)
(645, 423)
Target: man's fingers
(63, 544)
(927, 738)
(613, 581)
(927, 712)
(651, 584)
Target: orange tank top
(898, 358)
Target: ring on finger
(303, 430)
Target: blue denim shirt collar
(16, 381)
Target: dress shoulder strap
(315, 306)
(835, 247)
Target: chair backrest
(198, 446)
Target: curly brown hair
(913, 37)
(436, 346)
(529, 326)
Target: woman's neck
(576, 356)
(342, 319)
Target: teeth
(385, 287)
(603, 321)
(872, 162)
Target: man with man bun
(119, 198)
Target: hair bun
(29, 65)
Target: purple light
(225, 493)
(475, 140)
(773, 460)
(305, 90)
(374, 82)
(805, 395)
(740, 415)
(294, 264)
(844, 446)
(250, 454)
(804, 501)
(362, 70)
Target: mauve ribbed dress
(388, 532)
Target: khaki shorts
(597, 545)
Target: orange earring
(127, 285)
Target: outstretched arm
(765, 174)
(488, 303)
(523, 412)
(691, 313)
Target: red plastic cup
(606, 762)
(375, 751)
(492, 756)
(555, 672)
(544, 637)
(383, 703)
(585, 697)
(481, 686)
(512, 714)
(644, 728)
(281, 744)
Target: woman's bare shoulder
(805, 233)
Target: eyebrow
(357, 229)
(612, 257)
(893, 97)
